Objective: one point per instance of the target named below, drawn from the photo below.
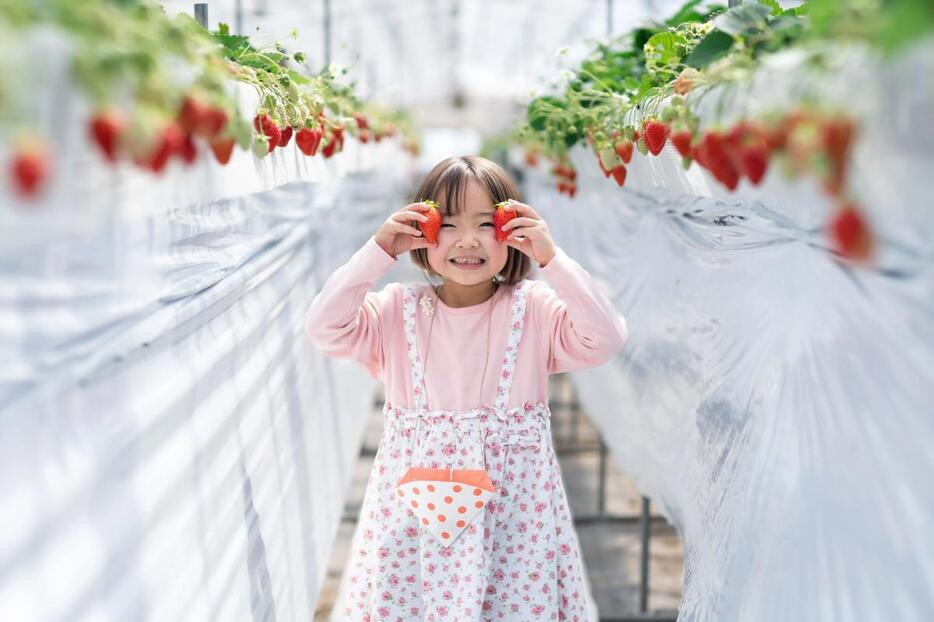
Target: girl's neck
(456, 295)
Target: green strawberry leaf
(714, 46)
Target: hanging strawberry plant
(642, 91)
(164, 89)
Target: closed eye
(486, 223)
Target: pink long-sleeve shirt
(568, 326)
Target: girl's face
(467, 252)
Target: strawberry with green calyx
(500, 217)
(187, 150)
(263, 124)
(285, 135)
(106, 128)
(152, 149)
(432, 226)
(623, 149)
(608, 160)
(655, 133)
(222, 148)
(193, 115)
(836, 136)
(308, 140)
(682, 140)
(748, 151)
(711, 153)
(851, 234)
(30, 167)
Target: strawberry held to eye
(500, 217)
(432, 226)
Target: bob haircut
(446, 184)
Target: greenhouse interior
(675, 255)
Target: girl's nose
(468, 240)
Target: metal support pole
(645, 528)
(201, 13)
(238, 17)
(327, 33)
(609, 18)
(733, 3)
(601, 491)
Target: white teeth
(471, 262)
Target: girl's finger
(420, 243)
(523, 210)
(408, 216)
(415, 207)
(520, 221)
(402, 228)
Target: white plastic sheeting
(775, 402)
(171, 446)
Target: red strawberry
(263, 123)
(572, 190)
(167, 143)
(308, 140)
(215, 122)
(682, 142)
(623, 149)
(754, 161)
(330, 148)
(193, 114)
(432, 226)
(531, 159)
(711, 153)
(187, 149)
(285, 135)
(107, 126)
(603, 169)
(656, 133)
(500, 217)
(619, 174)
(851, 235)
(30, 169)
(361, 120)
(222, 148)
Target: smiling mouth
(467, 261)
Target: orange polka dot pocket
(445, 501)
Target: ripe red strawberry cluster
(806, 141)
(566, 178)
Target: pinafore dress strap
(409, 300)
(516, 324)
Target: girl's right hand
(399, 234)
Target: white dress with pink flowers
(519, 558)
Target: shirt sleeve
(582, 326)
(345, 319)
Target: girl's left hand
(528, 233)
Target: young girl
(465, 365)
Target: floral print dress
(517, 560)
